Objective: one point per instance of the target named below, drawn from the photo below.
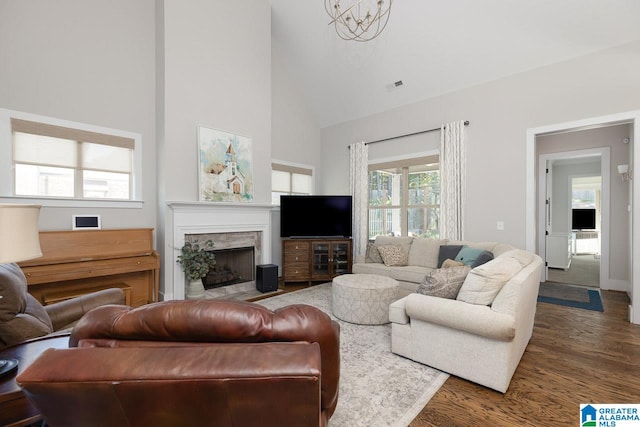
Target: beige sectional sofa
(422, 254)
(482, 334)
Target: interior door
(548, 190)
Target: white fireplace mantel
(202, 218)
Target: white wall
(295, 138)
(91, 62)
(216, 72)
(500, 113)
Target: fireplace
(231, 227)
(237, 254)
(233, 266)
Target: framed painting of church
(225, 169)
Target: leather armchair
(198, 362)
(22, 317)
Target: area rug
(570, 296)
(377, 387)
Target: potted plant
(196, 261)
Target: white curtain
(453, 161)
(359, 187)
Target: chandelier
(358, 20)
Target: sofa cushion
(373, 255)
(483, 283)
(393, 255)
(409, 273)
(447, 252)
(444, 282)
(371, 268)
(424, 252)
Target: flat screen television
(315, 216)
(583, 219)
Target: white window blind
(287, 179)
(58, 161)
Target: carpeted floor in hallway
(583, 271)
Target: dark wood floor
(574, 356)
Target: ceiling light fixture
(358, 20)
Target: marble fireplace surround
(233, 240)
(219, 222)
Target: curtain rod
(466, 123)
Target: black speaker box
(267, 278)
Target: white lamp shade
(623, 169)
(19, 238)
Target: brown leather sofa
(205, 362)
(22, 317)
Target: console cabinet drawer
(296, 250)
(297, 271)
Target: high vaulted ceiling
(436, 47)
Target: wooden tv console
(313, 260)
(78, 262)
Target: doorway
(574, 197)
(626, 267)
(577, 190)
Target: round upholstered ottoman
(363, 298)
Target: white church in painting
(227, 178)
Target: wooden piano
(83, 261)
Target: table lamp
(19, 241)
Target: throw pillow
(392, 255)
(468, 255)
(485, 256)
(484, 282)
(373, 255)
(403, 242)
(448, 263)
(447, 252)
(444, 283)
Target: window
(404, 198)
(583, 198)
(56, 159)
(286, 179)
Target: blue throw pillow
(485, 256)
(468, 255)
